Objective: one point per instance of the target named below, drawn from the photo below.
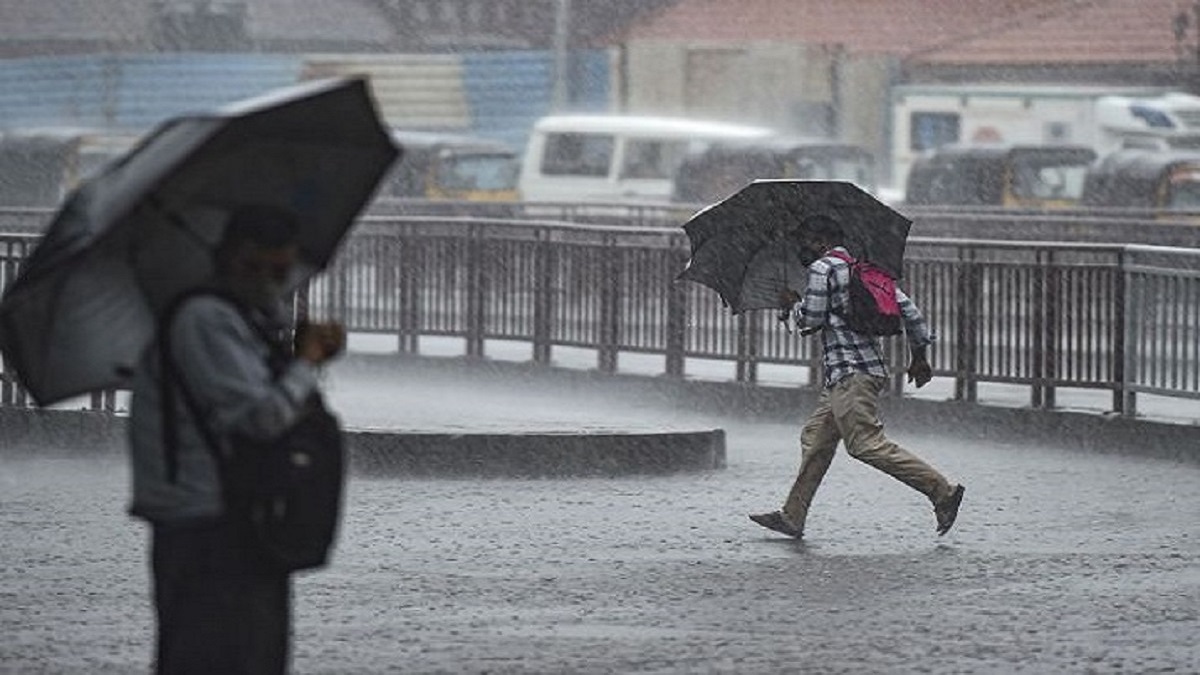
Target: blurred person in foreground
(855, 373)
(219, 609)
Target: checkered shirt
(847, 352)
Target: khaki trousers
(848, 412)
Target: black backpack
(873, 307)
(284, 496)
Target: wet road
(1061, 561)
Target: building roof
(64, 26)
(73, 20)
(943, 32)
(344, 21)
(898, 27)
(1075, 32)
(37, 27)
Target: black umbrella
(127, 242)
(751, 246)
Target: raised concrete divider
(521, 454)
(1084, 431)
(485, 452)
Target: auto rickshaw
(716, 171)
(1160, 180)
(449, 167)
(1020, 177)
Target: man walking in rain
(219, 609)
(855, 374)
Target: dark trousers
(218, 610)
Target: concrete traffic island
(533, 454)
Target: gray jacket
(223, 362)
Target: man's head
(257, 253)
(823, 232)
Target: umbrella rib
(176, 221)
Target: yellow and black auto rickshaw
(1020, 177)
(1160, 180)
(713, 172)
(449, 167)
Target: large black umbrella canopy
(140, 233)
(750, 246)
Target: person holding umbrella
(219, 608)
(855, 373)
(203, 227)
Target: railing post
(748, 335)
(1116, 337)
(966, 326)
(476, 280)
(677, 316)
(337, 290)
(1131, 309)
(104, 400)
(610, 297)
(300, 313)
(543, 298)
(1052, 289)
(409, 280)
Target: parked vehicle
(450, 167)
(928, 116)
(1145, 179)
(710, 174)
(612, 158)
(1029, 177)
(38, 167)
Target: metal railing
(1119, 318)
(1046, 315)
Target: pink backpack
(873, 308)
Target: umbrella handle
(785, 317)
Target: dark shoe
(775, 521)
(947, 510)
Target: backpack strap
(842, 256)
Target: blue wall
(509, 91)
(131, 91)
(506, 91)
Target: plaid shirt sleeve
(916, 329)
(813, 310)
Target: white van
(613, 158)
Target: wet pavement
(1062, 561)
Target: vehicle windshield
(707, 179)
(1185, 189)
(482, 171)
(854, 169)
(1049, 177)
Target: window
(477, 172)
(572, 154)
(652, 159)
(1048, 177)
(1184, 188)
(929, 131)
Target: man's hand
(920, 372)
(319, 342)
(788, 298)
